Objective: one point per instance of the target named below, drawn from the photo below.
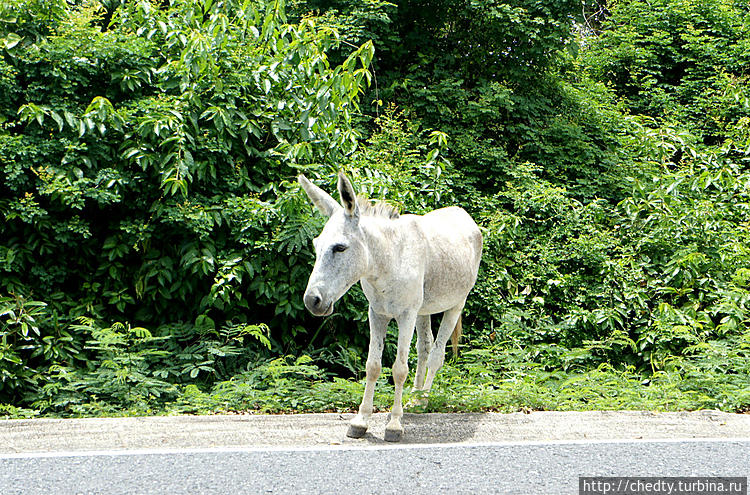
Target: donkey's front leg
(394, 430)
(378, 328)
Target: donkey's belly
(392, 301)
(395, 302)
(442, 298)
(439, 307)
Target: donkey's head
(341, 256)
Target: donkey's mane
(376, 208)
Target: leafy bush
(146, 167)
(149, 151)
(677, 60)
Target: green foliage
(27, 345)
(118, 378)
(129, 368)
(404, 164)
(486, 74)
(498, 377)
(678, 60)
(149, 149)
(145, 163)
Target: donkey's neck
(394, 277)
(383, 239)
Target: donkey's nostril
(313, 301)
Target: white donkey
(410, 267)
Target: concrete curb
(311, 430)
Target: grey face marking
(340, 262)
(340, 252)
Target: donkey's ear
(321, 199)
(348, 196)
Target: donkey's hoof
(356, 431)
(393, 435)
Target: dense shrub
(155, 246)
(146, 168)
(679, 61)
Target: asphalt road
(524, 468)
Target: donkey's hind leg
(378, 328)
(437, 354)
(424, 345)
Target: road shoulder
(320, 430)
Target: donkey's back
(453, 249)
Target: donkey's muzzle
(316, 305)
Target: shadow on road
(422, 428)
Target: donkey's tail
(456, 336)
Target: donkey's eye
(337, 248)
